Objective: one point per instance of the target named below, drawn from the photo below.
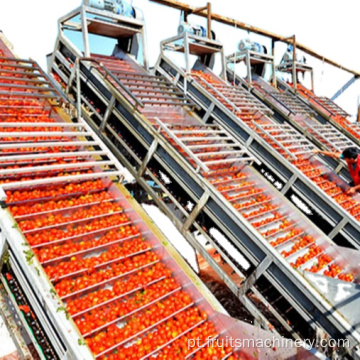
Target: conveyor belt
(302, 116)
(286, 152)
(288, 101)
(88, 273)
(327, 110)
(201, 169)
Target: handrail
(199, 163)
(109, 73)
(217, 92)
(164, 81)
(279, 101)
(266, 133)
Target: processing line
(287, 160)
(281, 98)
(209, 184)
(327, 111)
(83, 268)
(293, 97)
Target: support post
(248, 66)
(294, 63)
(254, 276)
(209, 20)
(312, 80)
(85, 32)
(148, 157)
(197, 209)
(108, 112)
(78, 89)
(273, 63)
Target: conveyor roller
(286, 140)
(83, 262)
(226, 176)
(215, 193)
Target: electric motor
(120, 7)
(288, 56)
(247, 44)
(197, 30)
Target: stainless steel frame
(46, 304)
(266, 152)
(144, 132)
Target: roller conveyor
(149, 139)
(326, 110)
(287, 105)
(82, 266)
(330, 112)
(302, 117)
(323, 102)
(290, 102)
(251, 129)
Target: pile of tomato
(111, 280)
(100, 308)
(323, 260)
(313, 251)
(345, 201)
(125, 284)
(54, 234)
(114, 272)
(217, 89)
(53, 192)
(299, 244)
(123, 298)
(63, 218)
(320, 104)
(321, 179)
(78, 264)
(111, 237)
(168, 331)
(253, 207)
(253, 203)
(96, 198)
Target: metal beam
(241, 25)
(343, 88)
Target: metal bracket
(249, 141)
(289, 184)
(208, 112)
(177, 77)
(338, 227)
(199, 206)
(148, 157)
(254, 276)
(338, 168)
(108, 112)
(71, 79)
